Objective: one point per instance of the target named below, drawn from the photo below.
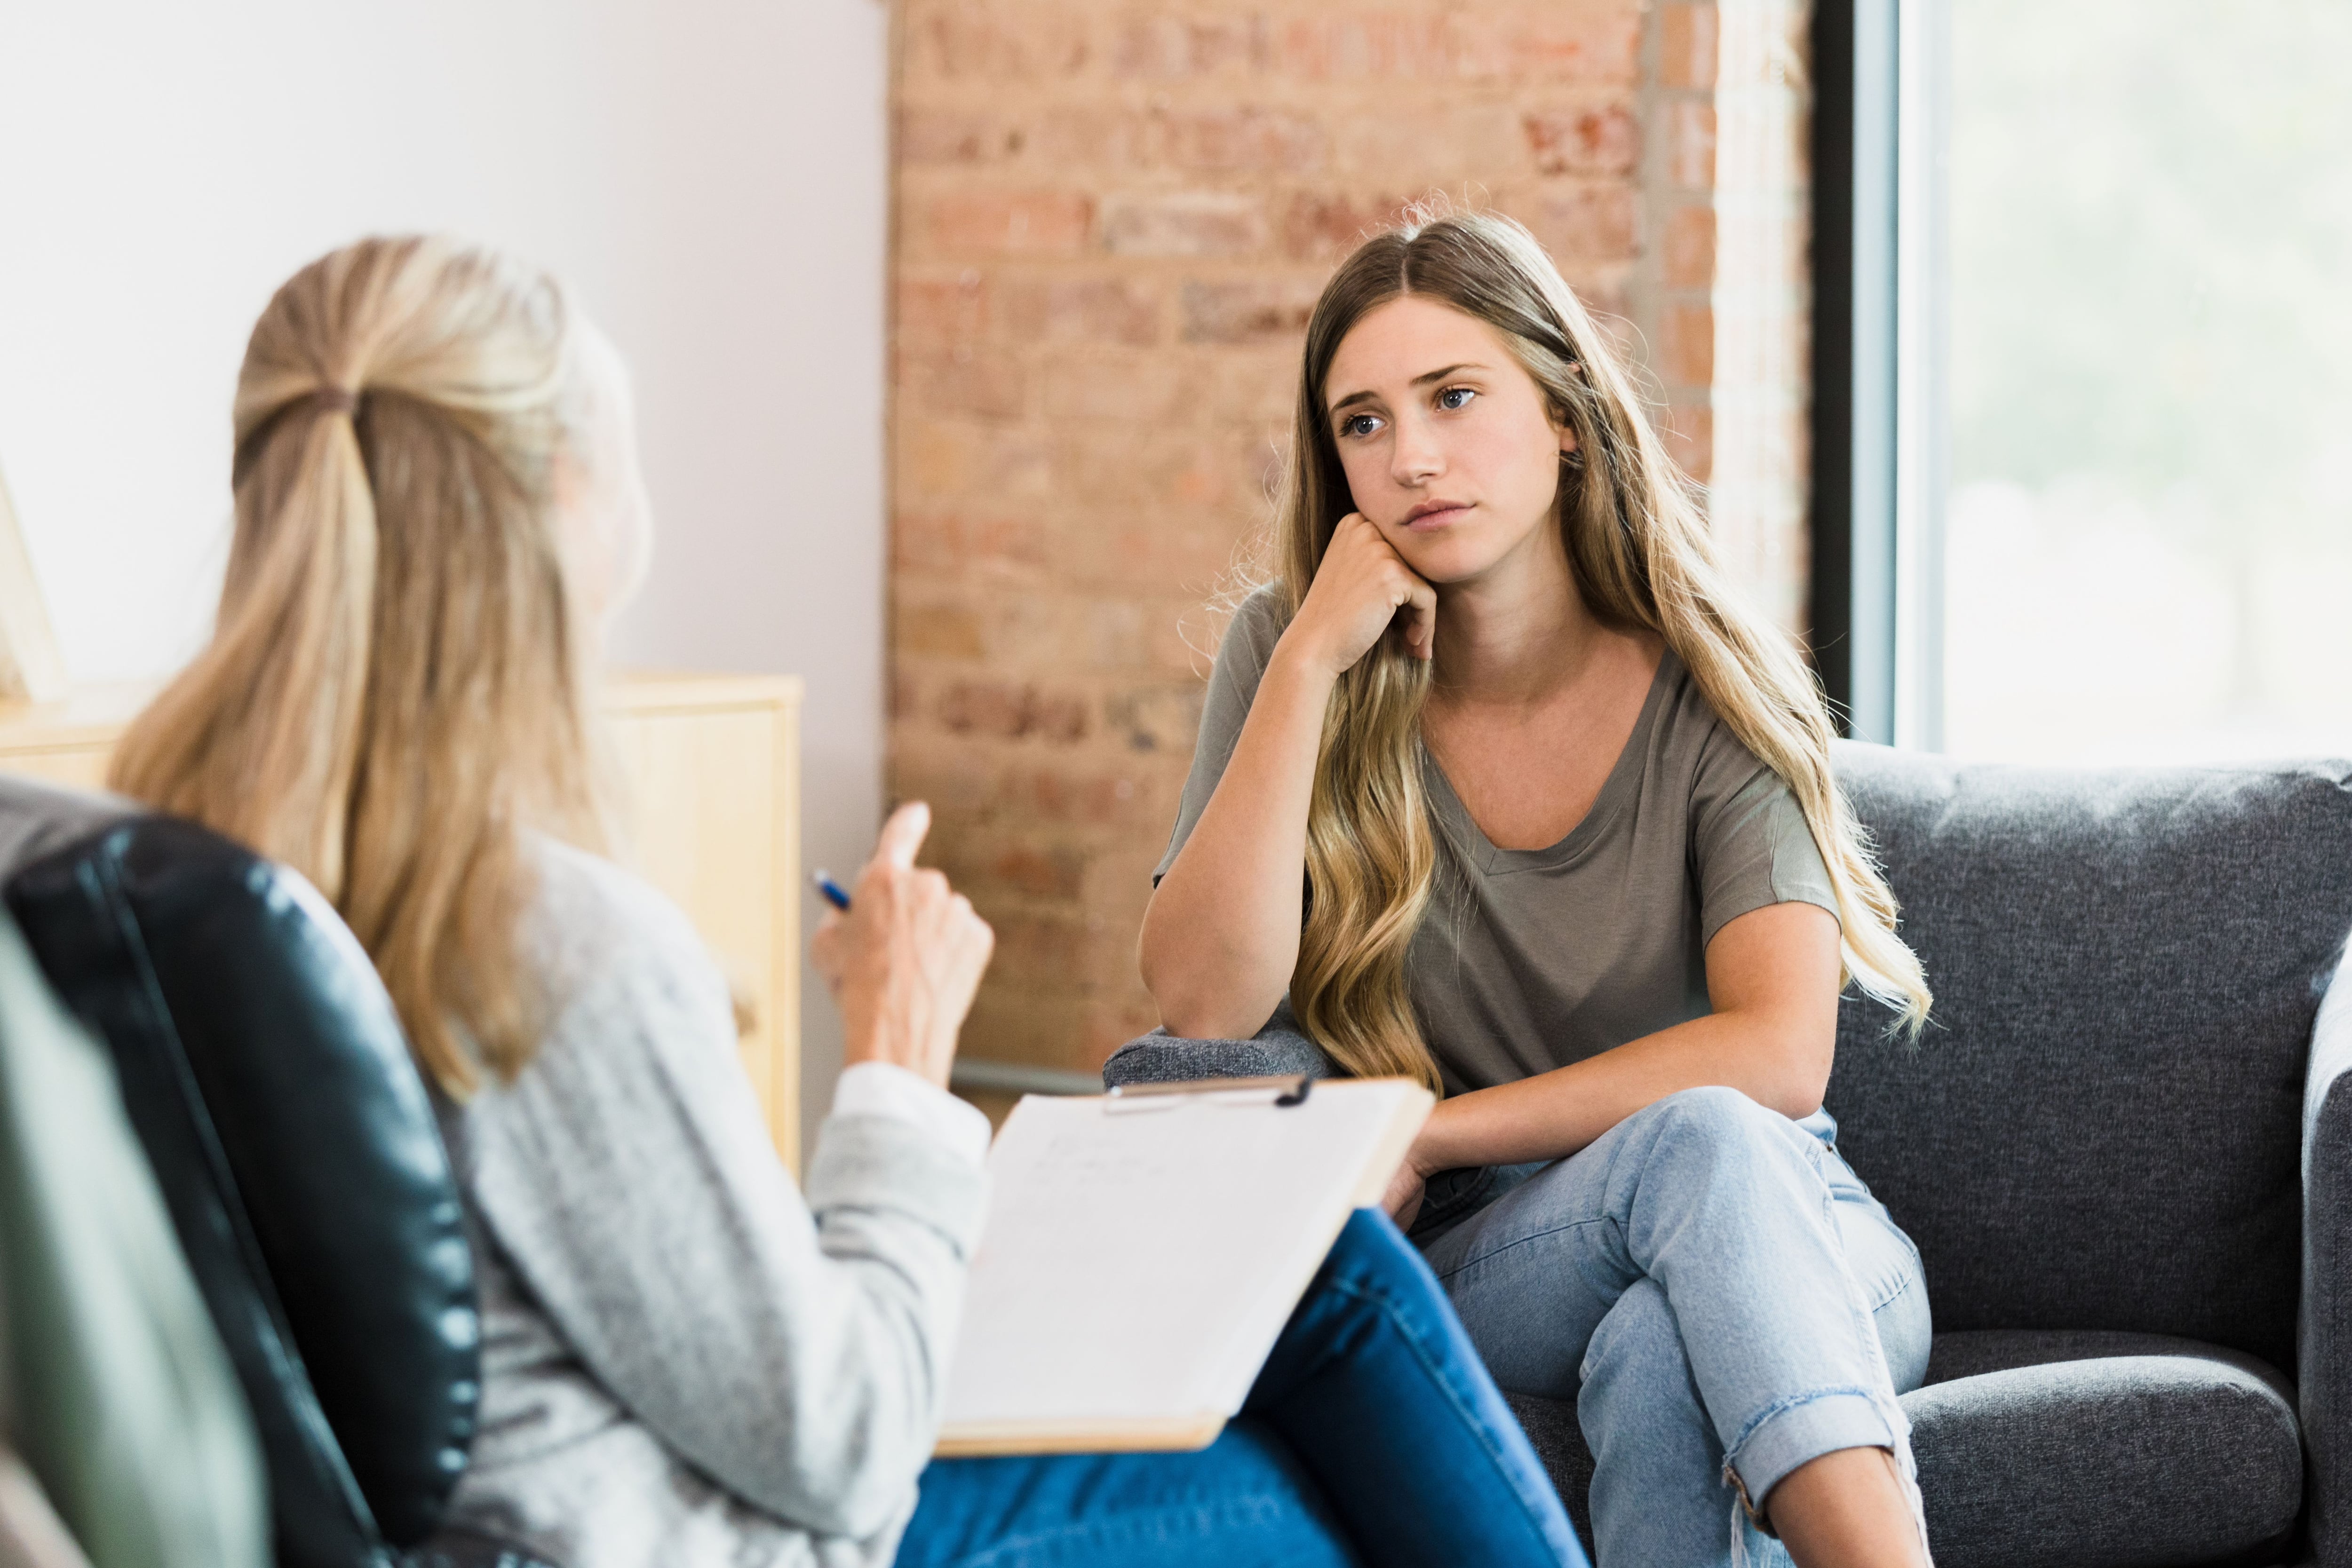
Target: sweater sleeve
(795, 1350)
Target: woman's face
(1449, 445)
(603, 512)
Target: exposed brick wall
(1111, 225)
(1763, 306)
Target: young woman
(1572, 855)
(686, 1361)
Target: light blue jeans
(1719, 1294)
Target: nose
(1415, 458)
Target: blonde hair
(1639, 548)
(396, 682)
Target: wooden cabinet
(711, 769)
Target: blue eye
(1455, 398)
(1360, 424)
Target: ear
(1567, 441)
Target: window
(2116, 515)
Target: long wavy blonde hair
(1639, 547)
(396, 682)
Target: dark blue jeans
(1373, 1436)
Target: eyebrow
(1439, 374)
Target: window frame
(1878, 423)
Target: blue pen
(830, 890)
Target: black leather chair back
(265, 1070)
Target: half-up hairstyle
(396, 683)
(1638, 545)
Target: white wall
(710, 175)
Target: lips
(1431, 516)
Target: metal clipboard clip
(1289, 1089)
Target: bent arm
(1220, 935)
(1772, 979)
(797, 1357)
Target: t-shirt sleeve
(1751, 846)
(1242, 659)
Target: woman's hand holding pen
(905, 959)
(1358, 589)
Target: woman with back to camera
(685, 1360)
(1574, 857)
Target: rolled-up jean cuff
(1804, 1430)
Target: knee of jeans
(1639, 1327)
(1716, 1117)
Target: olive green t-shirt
(1531, 959)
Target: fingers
(902, 835)
(1422, 635)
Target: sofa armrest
(2324, 1322)
(1163, 1058)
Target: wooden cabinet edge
(86, 721)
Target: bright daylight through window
(2148, 530)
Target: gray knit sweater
(685, 1360)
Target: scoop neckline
(1623, 782)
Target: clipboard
(1143, 1250)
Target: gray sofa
(2122, 1149)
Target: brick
(1047, 631)
(954, 543)
(1360, 44)
(1440, 146)
(1254, 310)
(1124, 385)
(1689, 431)
(955, 137)
(939, 631)
(957, 39)
(1596, 139)
(1039, 1025)
(1002, 222)
(945, 776)
(1584, 222)
(1038, 945)
(941, 312)
(1173, 47)
(1155, 719)
(1690, 144)
(1092, 800)
(1687, 39)
(1084, 310)
(1183, 224)
(1096, 136)
(1011, 710)
(1686, 346)
(1320, 225)
(937, 458)
(1578, 40)
(1124, 794)
(988, 386)
(1043, 873)
(1238, 141)
(1112, 467)
(1690, 248)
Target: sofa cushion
(2101, 1128)
(1552, 1430)
(2052, 1450)
(2070, 1450)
